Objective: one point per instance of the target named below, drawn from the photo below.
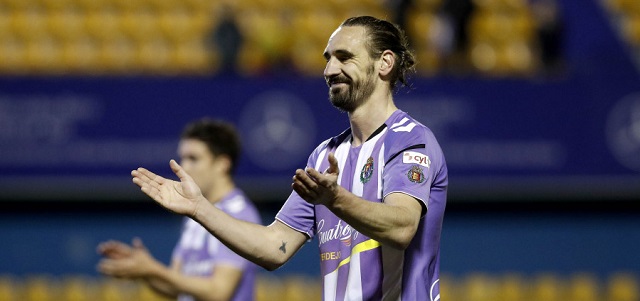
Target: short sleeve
(410, 172)
(298, 215)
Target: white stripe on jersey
(396, 127)
(354, 281)
(331, 286)
(321, 157)
(380, 170)
(365, 153)
(401, 122)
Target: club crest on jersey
(415, 174)
(367, 171)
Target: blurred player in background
(202, 268)
(374, 195)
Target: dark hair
(384, 35)
(220, 137)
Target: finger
(146, 187)
(305, 178)
(318, 179)
(106, 246)
(299, 190)
(138, 178)
(302, 191)
(101, 250)
(313, 174)
(148, 176)
(297, 185)
(150, 186)
(333, 164)
(108, 267)
(137, 243)
(179, 171)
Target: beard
(349, 98)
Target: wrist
(339, 198)
(197, 207)
(154, 269)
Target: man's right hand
(180, 197)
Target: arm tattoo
(283, 247)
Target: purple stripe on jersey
(343, 275)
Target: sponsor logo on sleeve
(410, 157)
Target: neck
(219, 190)
(367, 118)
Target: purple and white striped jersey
(403, 156)
(199, 251)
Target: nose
(332, 68)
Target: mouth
(337, 85)
(337, 82)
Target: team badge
(415, 174)
(367, 171)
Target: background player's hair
(384, 35)
(220, 137)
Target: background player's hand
(180, 197)
(315, 187)
(126, 261)
(114, 249)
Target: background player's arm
(393, 222)
(269, 246)
(135, 262)
(221, 285)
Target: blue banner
(80, 138)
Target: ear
(224, 163)
(387, 61)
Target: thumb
(179, 171)
(333, 164)
(137, 243)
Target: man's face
(350, 71)
(199, 163)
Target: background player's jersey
(401, 156)
(199, 251)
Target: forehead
(192, 146)
(349, 38)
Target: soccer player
(374, 195)
(202, 268)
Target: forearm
(161, 287)
(257, 243)
(157, 280)
(387, 223)
(170, 283)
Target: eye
(189, 158)
(343, 56)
